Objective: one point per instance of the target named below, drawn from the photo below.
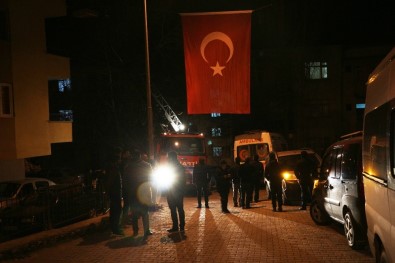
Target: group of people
(130, 190)
(129, 187)
(244, 179)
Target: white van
(258, 142)
(379, 159)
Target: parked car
(288, 160)
(58, 175)
(339, 193)
(16, 191)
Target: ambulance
(258, 142)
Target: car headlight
(286, 175)
(163, 176)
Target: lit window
(215, 114)
(316, 70)
(217, 151)
(6, 101)
(216, 132)
(60, 100)
(64, 84)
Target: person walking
(273, 174)
(113, 186)
(257, 177)
(138, 173)
(304, 171)
(201, 179)
(223, 178)
(175, 194)
(236, 195)
(246, 174)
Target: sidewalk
(22, 245)
(245, 235)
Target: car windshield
(289, 162)
(8, 190)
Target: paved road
(253, 235)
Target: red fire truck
(190, 147)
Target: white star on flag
(217, 69)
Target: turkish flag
(217, 61)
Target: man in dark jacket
(246, 173)
(258, 174)
(175, 194)
(223, 178)
(201, 179)
(273, 174)
(137, 185)
(304, 171)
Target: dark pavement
(245, 235)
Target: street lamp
(150, 125)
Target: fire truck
(190, 146)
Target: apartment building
(26, 71)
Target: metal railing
(51, 207)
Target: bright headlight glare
(286, 175)
(163, 176)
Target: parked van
(379, 159)
(258, 142)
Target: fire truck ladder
(169, 113)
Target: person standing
(175, 194)
(201, 179)
(223, 179)
(138, 173)
(113, 186)
(236, 183)
(154, 190)
(273, 174)
(304, 171)
(246, 173)
(257, 177)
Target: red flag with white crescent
(217, 61)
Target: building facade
(26, 129)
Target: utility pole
(150, 124)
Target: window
(217, 151)
(216, 132)
(215, 114)
(64, 84)
(351, 160)
(42, 184)
(26, 190)
(360, 106)
(60, 100)
(4, 25)
(316, 70)
(6, 101)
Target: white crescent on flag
(217, 36)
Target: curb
(19, 247)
